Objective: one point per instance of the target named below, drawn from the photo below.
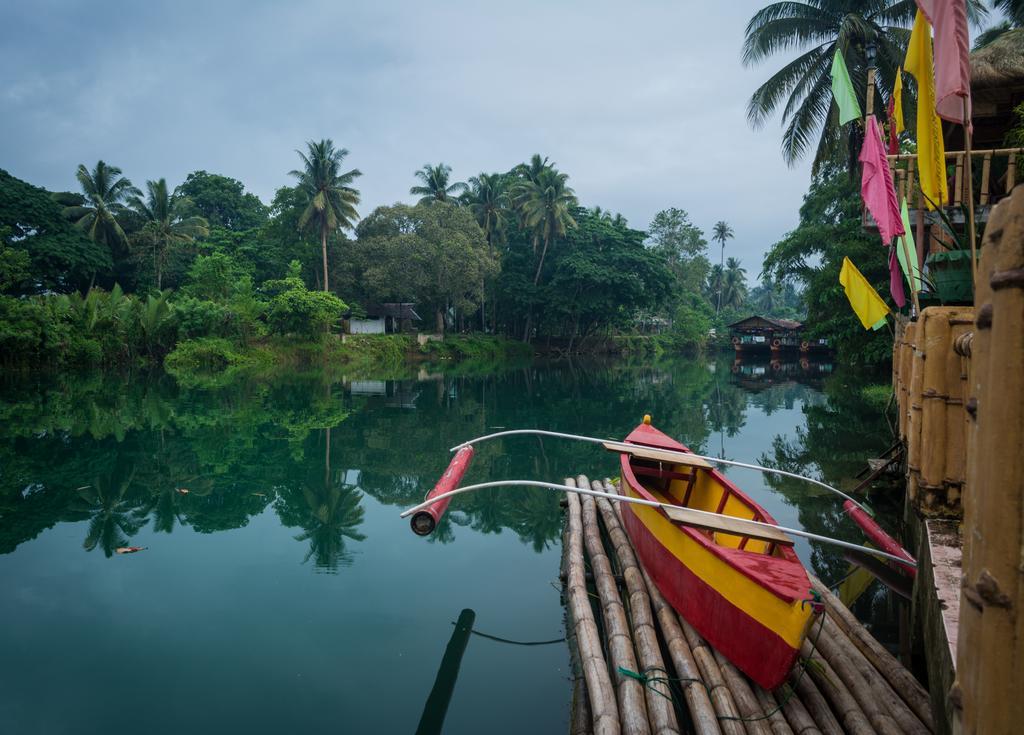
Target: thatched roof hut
(997, 86)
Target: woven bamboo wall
(930, 383)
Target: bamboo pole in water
(659, 701)
(580, 718)
(895, 673)
(632, 707)
(595, 670)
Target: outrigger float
(718, 558)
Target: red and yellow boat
(741, 586)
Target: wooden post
(870, 106)
(595, 669)
(986, 174)
(632, 707)
(1011, 172)
(970, 195)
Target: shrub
(303, 313)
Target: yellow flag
(897, 104)
(931, 151)
(866, 303)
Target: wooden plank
(728, 524)
(661, 455)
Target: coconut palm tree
(487, 198)
(104, 193)
(168, 223)
(545, 206)
(734, 284)
(720, 234)
(435, 186)
(330, 199)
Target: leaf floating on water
(183, 490)
(130, 549)
(262, 495)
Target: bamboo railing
(962, 190)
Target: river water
(279, 591)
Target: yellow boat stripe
(788, 620)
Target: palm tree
(803, 87)
(488, 200)
(104, 193)
(734, 284)
(720, 234)
(330, 199)
(545, 206)
(167, 223)
(435, 186)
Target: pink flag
(952, 50)
(876, 187)
(899, 297)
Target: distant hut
(389, 318)
(765, 334)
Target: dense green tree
(682, 247)
(330, 199)
(102, 202)
(434, 255)
(167, 226)
(61, 257)
(435, 186)
(812, 256)
(222, 201)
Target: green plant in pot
(949, 272)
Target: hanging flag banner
(876, 189)
(897, 97)
(866, 303)
(912, 271)
(842, 90)
(931, 150)
(899, 296)
(952, 57)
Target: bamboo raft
(640, 669)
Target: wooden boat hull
(750, 605)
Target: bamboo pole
(645, 635)
(970, 192)
(702, 712)
(580, 717)
(861, 690)
(884, 662)
(632, 707)
(777, 720)
(595, 670)
(743, 694)
(797, 716)
(854, 721)
(816, 704)
(721, 696)
(937, 351)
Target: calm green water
(282, 593)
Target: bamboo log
(645, 635)
(909, 689)
(816, 704)
(746, 700)
(799, 719)
(632, 707)
(884, 694)
(937, 352)
(702, 712)
(855, 682)
(854, 721)
(599, 685)
(916, 382)
(991, 618)
(956, 423)
(721, 696)
(777, 720)
(580, 718)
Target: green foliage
(205, 354)
(14, 263)
(299, 312)
(435, 186)
(61, 257)
(216, 277)
(222, 201)
(168, 225)
(812, 256)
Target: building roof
(766, 322)
(393, 310)
(1000, 63)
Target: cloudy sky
(642, 103)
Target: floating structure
(641, 668)
(762, 334)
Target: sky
(643, 103)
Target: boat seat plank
(654, 472)
(729, 525)
(660, 455)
